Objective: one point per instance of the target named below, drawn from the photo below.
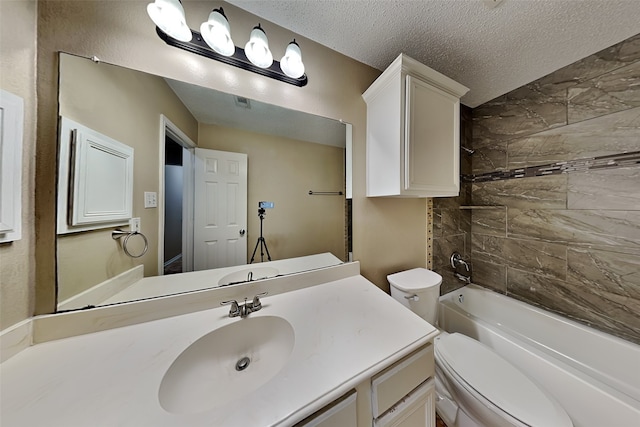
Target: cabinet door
(417, 409)
(432, 140)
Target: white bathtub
(594, 375)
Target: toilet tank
(417, 289)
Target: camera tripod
(261, 242)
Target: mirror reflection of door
(220, 209)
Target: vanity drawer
(395, 382)
(340, 413)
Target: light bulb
(291, 63)
(257, 48)
(168, 15)
(216, 33)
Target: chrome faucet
(456, 261)
(243, 310)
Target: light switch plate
(150, 199)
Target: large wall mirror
(201, 163)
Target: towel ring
(117, 234)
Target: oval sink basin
(247, 275)
(226, 364)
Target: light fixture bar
(239, 59)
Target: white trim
(52, 327)
(349, 160)
(188, 161)
(16, 338)
(104, 290)
(168, 127)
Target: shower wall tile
(437, 223)
(606, 94)
(602, 136)
(466, 138)
(449, 281)
(447, 222)
(493, 276)
(523, 112)
(451, 225)
(454, 202)
(455, 221)
(489, 221)
(572, 242)
(609, 312)
(615, 189)
(618, 231)
(543, 258)
(605, 271)
(538, 192)
(595, 65)
(490, 155)
(444, 247)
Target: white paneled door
(220, 216)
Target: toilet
(475, 387)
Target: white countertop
(345, 332)
(153, 286)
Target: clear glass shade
(257, 49)
(291, 63)
(168, 15)
(217, 34)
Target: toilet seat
(496, 382)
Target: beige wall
(283, 171)
(388, 235)
(124, 105)
(18, 76)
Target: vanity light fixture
(214, 42)
(291, 62)
(217, 33)
(257, 48)
(168, 15)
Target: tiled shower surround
(568, 241)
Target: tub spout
(463, 278)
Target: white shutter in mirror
(102, 179)
(11, 126)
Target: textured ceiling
(490, 50)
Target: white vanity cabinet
(401, 395)
(413, 132)
(340, 413)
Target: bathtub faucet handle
(456, 260)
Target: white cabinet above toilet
(413, 132)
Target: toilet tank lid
(415, 279)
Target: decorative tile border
(580, 165)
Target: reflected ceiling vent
(242, 102)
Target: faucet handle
(235, 308)
(256, 304)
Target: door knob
(242, 231)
